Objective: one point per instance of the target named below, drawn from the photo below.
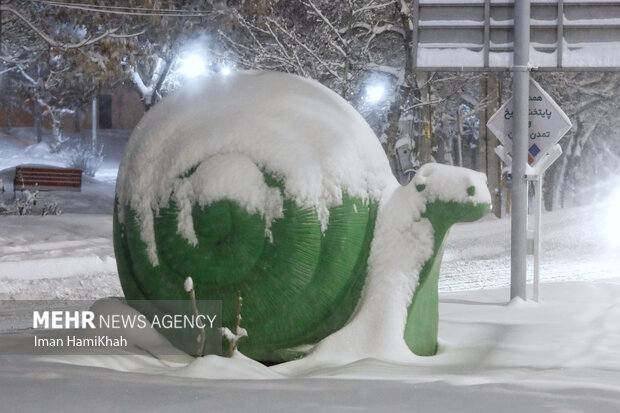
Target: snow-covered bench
(47, 179)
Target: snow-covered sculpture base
(272, 187)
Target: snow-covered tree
(49, 52)
(312, 38)
(457, 100)
(592, 147)
(353, 47)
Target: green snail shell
(301, 269)
(296, 290)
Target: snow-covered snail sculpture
(273, 188)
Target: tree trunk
(148, 105)
(77, 126)
(425, 150)
(9, 120)
(490, 163)
(38, 121)
(559, 193)
(56, 129)
(392, 132)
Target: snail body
(269, 187)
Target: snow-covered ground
(20, 147)
(578, 244)
(69, 256)
(559, 355)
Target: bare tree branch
(52, 42)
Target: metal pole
(520, 86)
(560, 34)
(94, 122)
(487, 32)
(459, 141)
(415, 35)
(0, 30)
(537, 233)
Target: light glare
(193, 65)
(374, 93)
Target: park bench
(47, 179)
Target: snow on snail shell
(272, 187)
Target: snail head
(452, 194)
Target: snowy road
(29, 387)
(57, 257)
(576, 246)
(71, 256)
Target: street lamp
(193, 65)
(374, 93)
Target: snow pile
(252, 122)
(592, 55)
(403, 242)
(584, 55)
(14, 152)
(449, 184)
(40, 150)
(237, 367)
(232, 177)
(151, 352)
(568, 341)
(188, 285)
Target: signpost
(517, 36)
(547, 124)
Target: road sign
(547, 124)
(541, 166)
(466, 35)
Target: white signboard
(463, 35)
(547, 124)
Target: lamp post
(521, 80)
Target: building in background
(118, 108)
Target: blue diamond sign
(547, 123)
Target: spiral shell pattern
(296, 289)
(294, 244)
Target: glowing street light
(193, 65)
(374, 93)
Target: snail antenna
(240, 332)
